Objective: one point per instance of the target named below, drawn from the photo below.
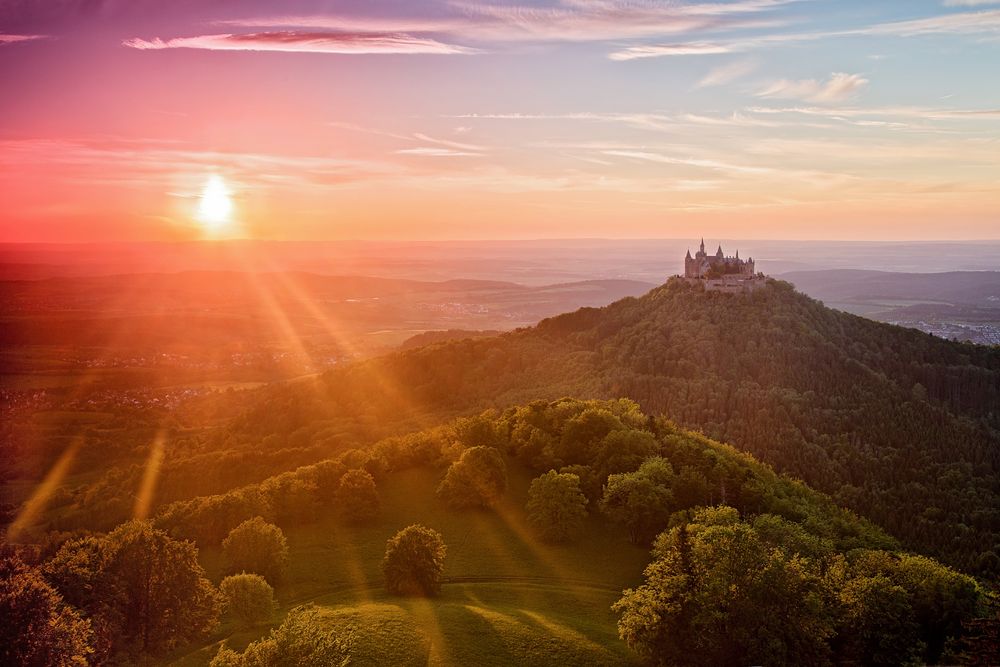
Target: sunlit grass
(508, 599)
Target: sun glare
(216, 207)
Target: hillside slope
(894, 423)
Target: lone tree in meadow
(256, 546)
(556, 506)
(248, 597)
(414, 561)
(477, 479)
(356, 496)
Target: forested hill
(894, 423)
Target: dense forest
(896, 424)
(732, 542)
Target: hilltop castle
(718, 272)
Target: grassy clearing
(508, 599)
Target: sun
(216, 207)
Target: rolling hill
(896, 424)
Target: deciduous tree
(556, 506)
(477, 479)
(357, 498)
(256, 546)
(414, 561)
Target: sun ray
(35, 505)
(150, 475)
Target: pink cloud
(306, 42)
(13, 39)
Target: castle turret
(721, 272)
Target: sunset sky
(143, 120)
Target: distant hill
(894, 423)
(431, 337)
(867, 291)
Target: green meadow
(508, 598)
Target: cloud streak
(962, 23)
(566, 20)
(292, 41)
(839, 87)
(14, 39)
(727, 73)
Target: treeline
(734, 543)
(896, 424)
(844, 590)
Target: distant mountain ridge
(849, 286)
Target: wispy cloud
(727, 73)
(715, 165)
(306, 42)
(565, 20)
(923, 113)
(837, 88)
(436, 151)
(6, 38)
(970, 3)
(448, 143)
(961, 23)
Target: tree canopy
(256, 546)
(414, 561)
(556, 506)
(477, 479)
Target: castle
(721, 273)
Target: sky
(128, 120)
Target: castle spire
(718, 253)
(703, 244)
(689, 254)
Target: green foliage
(477, 479)
(942, 599)
(256, 546)
(145, 592)
(414, 561)
(248, 597)
(38, 629)
(556, 506)
(302, 640)
(478, 431)
(640, 500)
(722, 591)
(356, 497)
(583, 434)
(623, 450)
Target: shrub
(249, 598)
(302, 640)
